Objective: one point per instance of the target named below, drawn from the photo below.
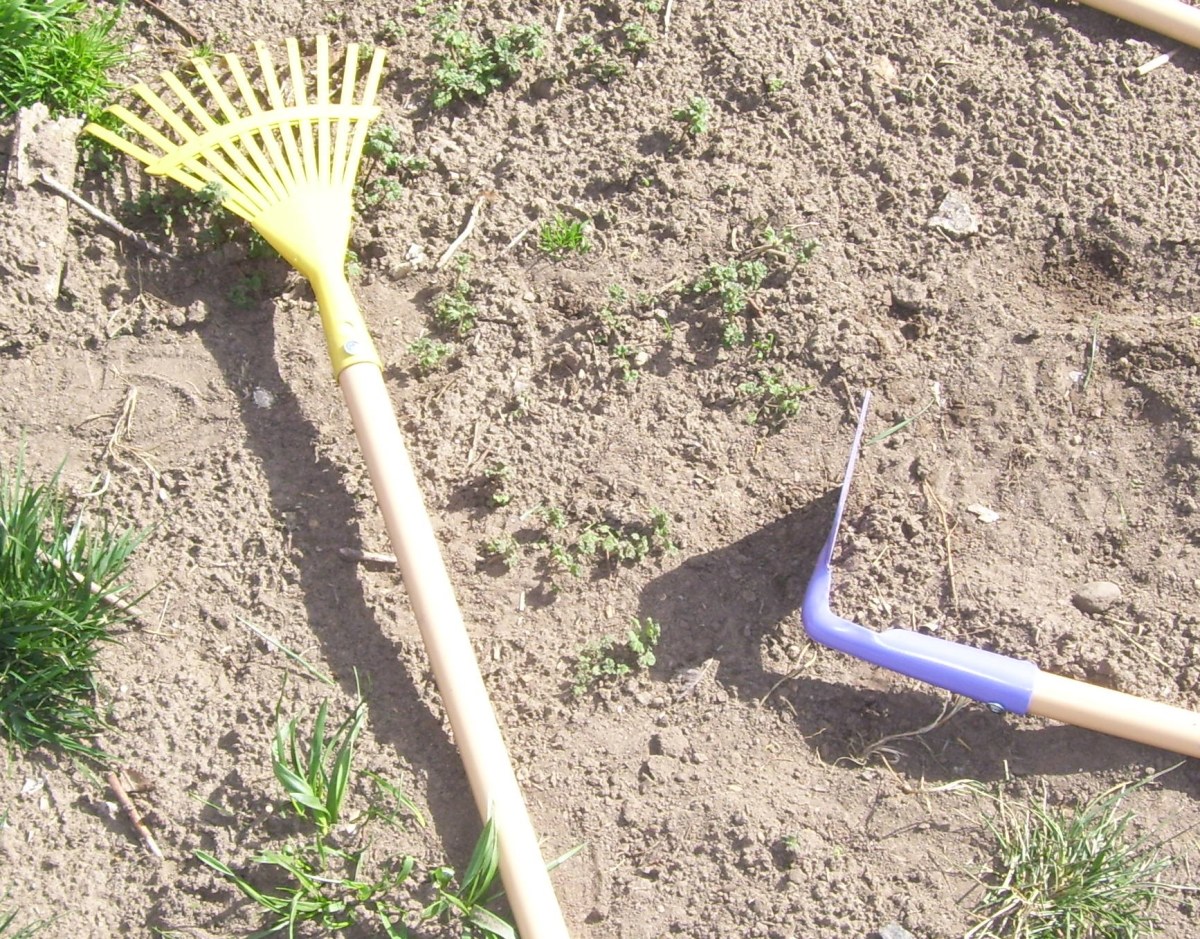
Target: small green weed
(246, 291)
(498, 476)
(54, 577)
(562, 236)
(50, 52)
(734, 283)
(636, 38)
(27, 931)
(504, 548)
(611, 659)
(615, 331)
(605, 543)
(1069, 873)
(696, 117)
(387, 167)
(471, 67)
(431, 354)
(774, 400)
(454, 310)
(331, 885)
(593, 59)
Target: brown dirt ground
(1086, 179)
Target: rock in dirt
(1097, 596)
(895, 931)
(955, 216)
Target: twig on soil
(366, 557)
(950, 708)
(520, 236)
(794, 673)
(174, 21)
(131, 812)
(667, 17)
(558, 20)
(457, 243)
(101, 216)
(947, 531)
(1093, 350)
(1157, 62)
(107, 598)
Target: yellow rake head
(284, 158)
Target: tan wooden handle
(1170, 17)
(455, 668)
(1116, 713)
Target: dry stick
(108, 598)
(467, 229)
(667, 17)
(174, 21)
(1157, 62)
(135, 818)
(946, 532)
(103, 217)
(369, 557)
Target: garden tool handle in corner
(1116, 713)
(1172, 18)
(455, 668)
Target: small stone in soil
(955, 217)
(895, 931)
(1097, 596)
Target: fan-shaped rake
(285, 160)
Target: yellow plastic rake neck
(286, 163)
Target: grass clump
(611, 659)
(1070, 872)
(55, 574)
(562, 236)
(50, 53)
(326, 880)
(472, 67)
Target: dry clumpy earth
(723, 792)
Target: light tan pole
(476, 732)
(1170, 17)
(1116, 713)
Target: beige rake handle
(1172, 18)
(476, 732)
(1116, 713)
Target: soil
(1053, 358)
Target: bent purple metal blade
(996, 680)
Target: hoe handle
(1172, 18)
(489, 770)
(1116, 713)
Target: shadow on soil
(242, 343)
(723, 604)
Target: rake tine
(349, 79)
(299, 92)
(243, 178)
(276, 161)
(275, 96)
(360, 126)
(267, 179)
(323, 109)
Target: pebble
(955, 216)
(1097, 596)
(895, 931)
